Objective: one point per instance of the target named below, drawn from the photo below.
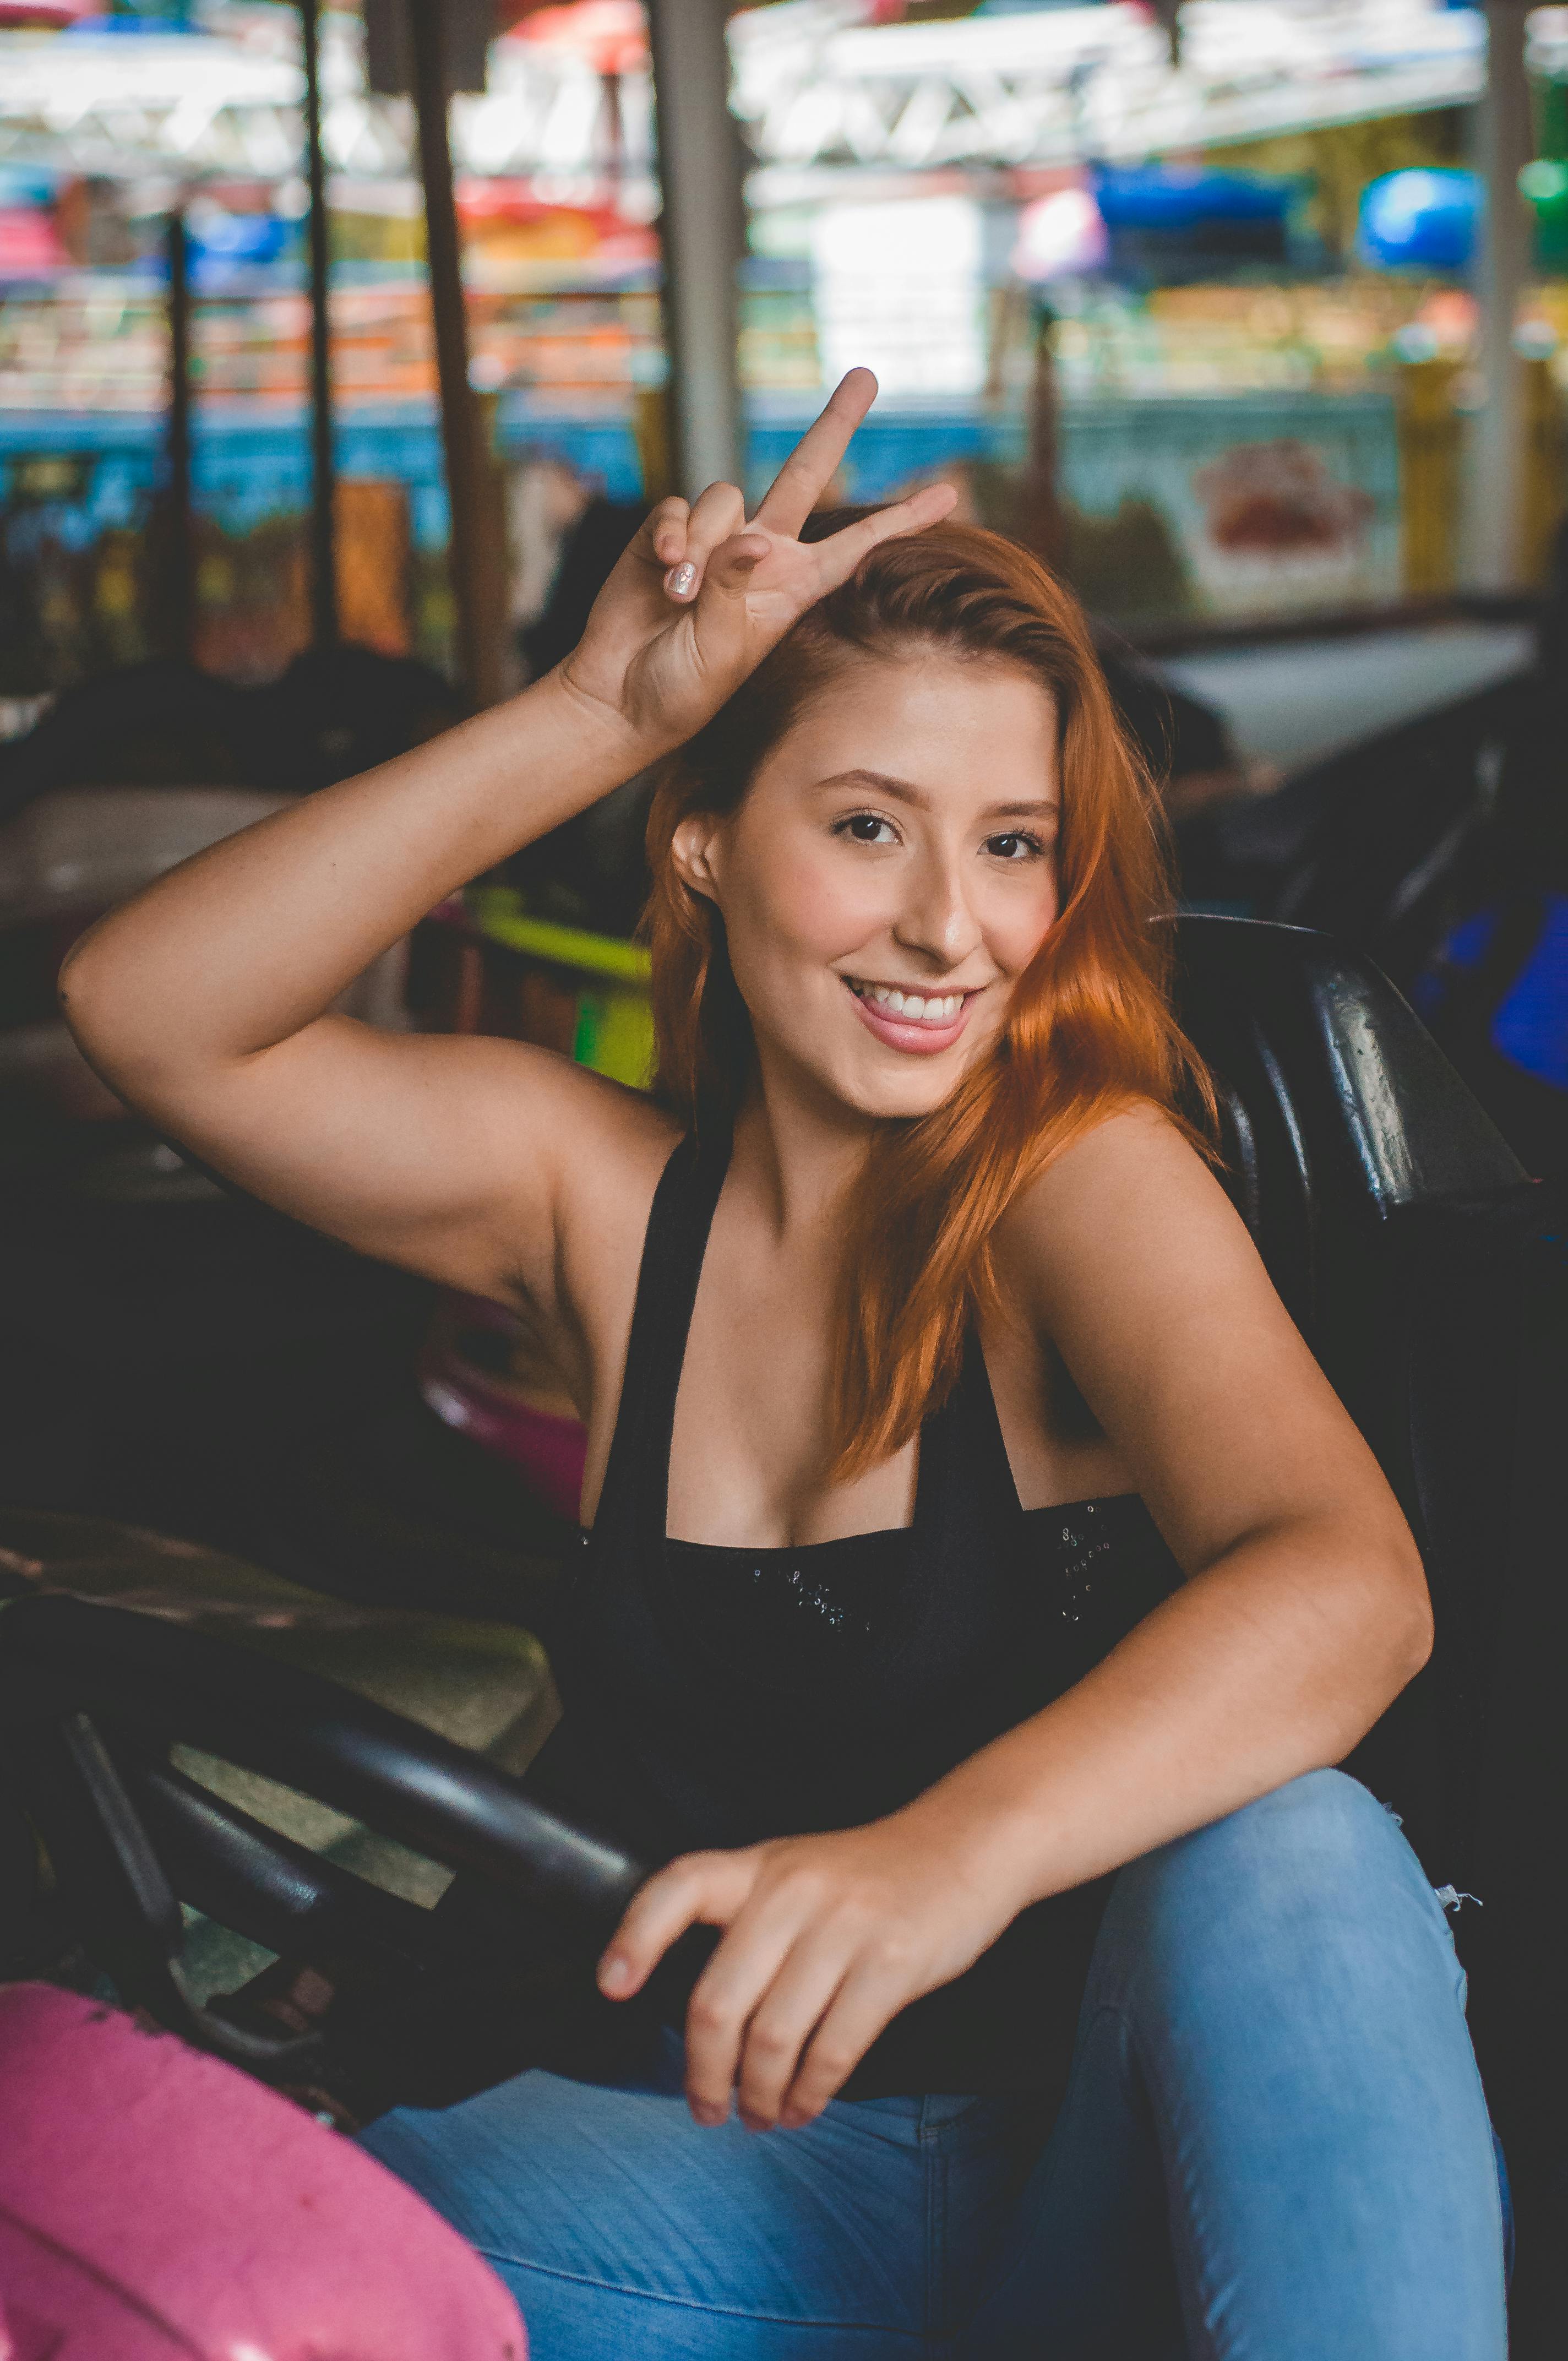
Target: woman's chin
(883, 1089)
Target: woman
(964, 1520)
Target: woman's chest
(750, 1444)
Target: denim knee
(1316, 1864)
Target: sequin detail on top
(799, 1612)
(813, 1598)
(822, 1610)
(1079, 1553)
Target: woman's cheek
(1017, 934)
(825, 911)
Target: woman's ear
(692, 848)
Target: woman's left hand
(827, 1938)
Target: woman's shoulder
(587, 1153)
(612, 1145)
(1126, 1147)
(1132, 1189)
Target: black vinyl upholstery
(1379, 1194)
(1430, 1277)
(1339, 1108)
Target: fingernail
(614, 1975)
(680, 580)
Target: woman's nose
(935, 920)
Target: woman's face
(890, 874)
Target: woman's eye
(867, 827)
(1016, 844)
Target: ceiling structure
(819, 89)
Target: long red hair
(1090, 1027)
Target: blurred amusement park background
(1206, 281)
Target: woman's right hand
(700, 596)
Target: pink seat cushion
(155, 2202)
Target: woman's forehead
(935, 724)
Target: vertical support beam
(468, 490)
(702, 230)
(1498, 453)
(324, 469)
(178, 586)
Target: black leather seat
(1346, 1134)
(1430, 1277)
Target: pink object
(157, 2205)
(547, 1448)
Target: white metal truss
(816, 86)
(208, 107)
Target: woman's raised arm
(203, 1001)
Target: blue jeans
(1273, 2147)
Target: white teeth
(939, 1008)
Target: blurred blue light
(1422, 219)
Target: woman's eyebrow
(1047, 808)
(905, 791)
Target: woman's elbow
(111, 1030)
(1401, 1611)
(85, 994)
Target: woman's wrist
(598, 746)
(635, 740)
(983, 1838)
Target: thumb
(733, 563)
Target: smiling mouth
(899, 1006)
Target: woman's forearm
(1260, 1668)
(243, 945)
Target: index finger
(813, 464)
(699, 1888)
(837, 556)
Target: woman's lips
(908, 1033)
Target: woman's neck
(795, 1151)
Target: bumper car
(145, 1751)
(66, 856)
(1439, 846)
(156, 2205)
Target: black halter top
(716, 1697)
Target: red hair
(1090, 1027)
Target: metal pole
(703, 229)
(467, 487)
(323, 472)
(179, 584)
(1497, 452)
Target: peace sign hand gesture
(700, 596)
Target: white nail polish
(680, 580)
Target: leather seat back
(1338, 1112)
(1380, 1193)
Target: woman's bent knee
(1313, 1871)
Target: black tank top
(716, 1697)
